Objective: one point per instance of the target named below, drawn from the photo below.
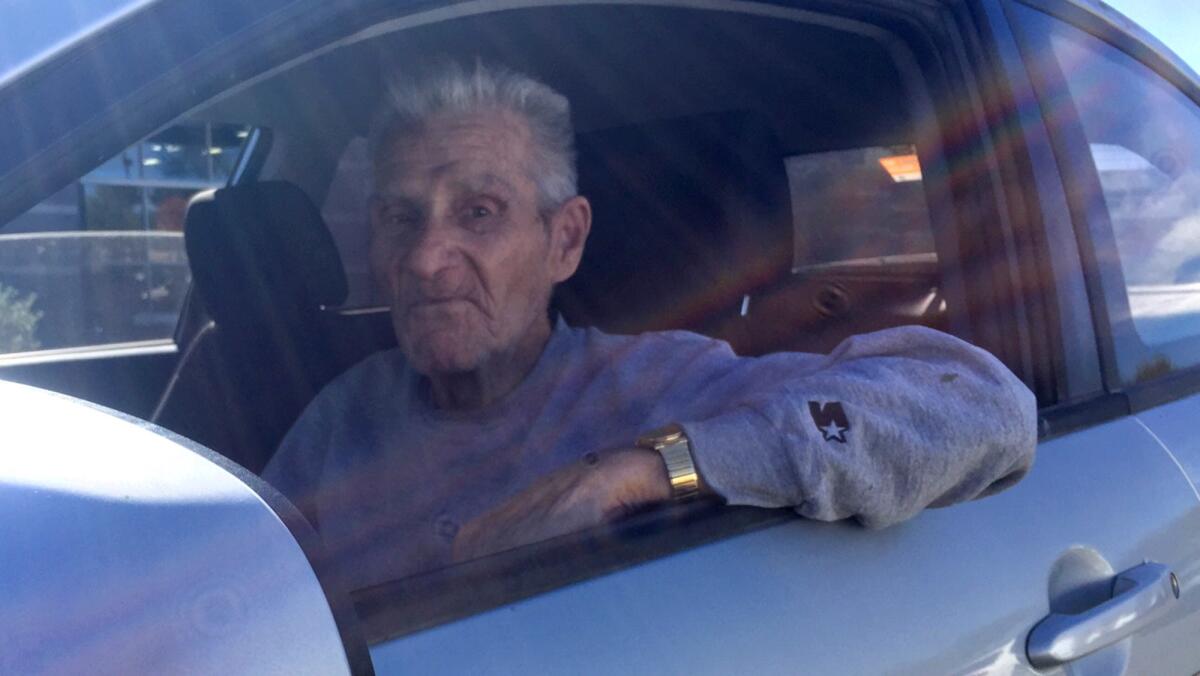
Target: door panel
(130, 382)
(955, 590)
(1175, 426)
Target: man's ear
(569, 228)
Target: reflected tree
(1153, 368)
(18, 321)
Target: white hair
(449, 88)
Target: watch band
(672, 444)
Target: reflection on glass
(112, 207)
(1146, 154)
(168, 207)
(865, 203)
(122, 167)
(89, 288)
(19, 320)
(60, 211)
(102, 261)
(177, 153)
(227, 142)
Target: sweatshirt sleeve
(887, 424)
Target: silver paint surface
(954, 591)
(122, 552)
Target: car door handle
(1139, 595)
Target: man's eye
(400, 220)
(479, 211)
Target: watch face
(661, 437)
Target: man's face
(457, 241)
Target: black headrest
(689, 214)
(261, 252)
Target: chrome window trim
(90, 352)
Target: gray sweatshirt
(887, 424)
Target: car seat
(693, 229)
(264, 267)
(691, 218)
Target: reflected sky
(32, 27)
(1175, 22)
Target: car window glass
(1147, 155)
(102, 260)
(861, 205)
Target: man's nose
(432, 252)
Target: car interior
(683, 155)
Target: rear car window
(1146, 157)
(859, 206)
(102, 261)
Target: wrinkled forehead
(484, 146)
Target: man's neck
(495, 378)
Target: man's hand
(599, 488)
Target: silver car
(1024, 174)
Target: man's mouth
(436, 305)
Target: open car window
(729, 202)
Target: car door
(956, 590)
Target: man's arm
(887, 424)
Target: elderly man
(492, 426)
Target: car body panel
(954, 591)
(1174, 425)
(124, 552)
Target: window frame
(1093, 227)
(1068, 354)
(405, 606)
(1021, 320)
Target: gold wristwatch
(672, 444)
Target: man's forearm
(891, 423)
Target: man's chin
(432, 360)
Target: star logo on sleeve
(834, 432)
(830, 418)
